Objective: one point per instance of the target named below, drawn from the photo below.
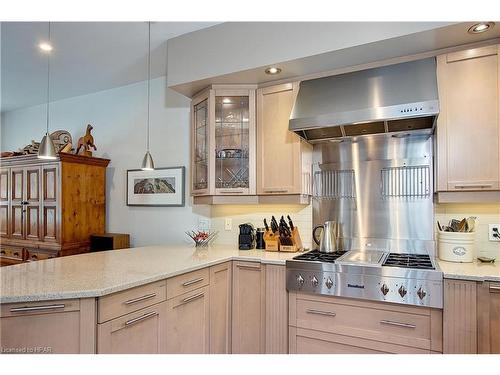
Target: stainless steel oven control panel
(410, 291)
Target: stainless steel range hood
(395, 98)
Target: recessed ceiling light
(46, 47)
(273, 70)
(481, 27)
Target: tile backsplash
(239, 214)
(485, 213)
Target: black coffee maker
(246, 239)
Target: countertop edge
(455, 276)
(103, 292)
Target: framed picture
(159, 187)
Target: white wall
(235, 46)
(119, 120)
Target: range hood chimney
(391, 99)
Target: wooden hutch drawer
(11, 253)
(127, 301)
(32, 255)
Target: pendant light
(46, 149)
(147, 162)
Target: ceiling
(87, 57)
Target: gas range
(412, 279)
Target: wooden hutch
(49, 208)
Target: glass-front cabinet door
(224, 141)
(234, 141)
(200, 138)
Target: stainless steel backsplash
(379, 189)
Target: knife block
(297, 243)
(272, 240)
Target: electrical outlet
(494, 232)
(203, 224)
(228, 224)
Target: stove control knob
(314, 281)
(329, 283)
(402, 291)
(300, 280)
(384, 289)
(421, 293)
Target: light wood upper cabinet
(140, 332)
(220, 308)
(248, 323)
(283, 159)
(223, 141)
(188, 324)
(468, 128)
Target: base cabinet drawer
(304, 341)
(118, 304)
(394, 325)
(188, 324)
(140, 332)
(57, 327)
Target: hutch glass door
(201, 142)
(232, 143)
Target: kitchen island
(102, 273)
(158, 299)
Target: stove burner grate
(317, 256)
(418, 261)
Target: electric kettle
(328, 241)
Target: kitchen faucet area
(283, 186)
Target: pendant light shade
(147, 162)
(46, 149)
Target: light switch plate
(228, 224)
(494, 232)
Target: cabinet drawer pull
(275, 191)
(319, 312)
(397, 324)
(494, 287)
(139, 299)
(248, 267)
(230, 192)
(190, 299)
(191, 282)
(472, 186)
(140, 318)
(37, 308)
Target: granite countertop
(101, 273)
(475, 271)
